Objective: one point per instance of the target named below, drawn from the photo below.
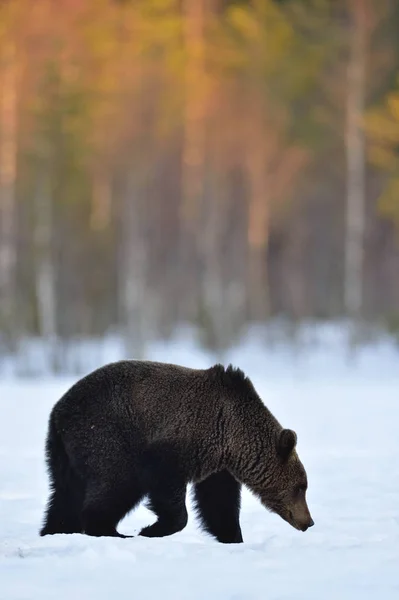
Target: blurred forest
(213, 162)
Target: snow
(347, 424)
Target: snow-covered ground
(347, 424)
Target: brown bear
(135, 429)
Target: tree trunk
(193, 159)
(101, 199)
(193, 151)
(355, 157)
(216, 312)
(8, 164)
(258, 219)
(134, 303)
(45, 274)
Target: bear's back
(151, 397)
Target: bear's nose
(306, 526)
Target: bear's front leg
(218, 502)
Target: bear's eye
(300, 489)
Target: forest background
(217, 163)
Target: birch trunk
(258, 217)
(45, 274)
(135, 309)
(355, 157)
(101, 200)
(212, 293)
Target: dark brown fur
(136, 429)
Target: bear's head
(285, 492)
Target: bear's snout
(306, 526)
(299, 517)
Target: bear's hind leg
(169, 504)
(106, 505)
(62, 515)
(63, 512)
(218, 501)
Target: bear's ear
(286, 443)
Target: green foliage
(390, 324)
(382, 126)
(280, 49)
